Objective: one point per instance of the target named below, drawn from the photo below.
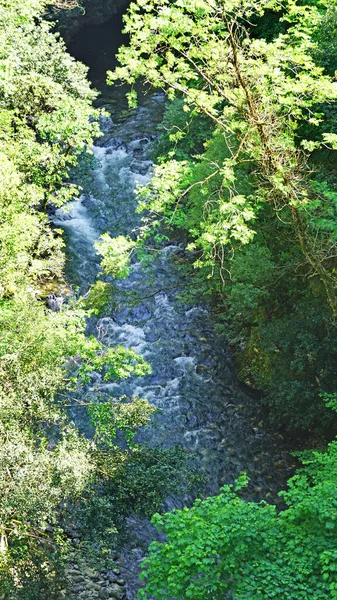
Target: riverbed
(201, 405)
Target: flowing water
(201, 406)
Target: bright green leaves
(208, 549)
(257, 93)
(46, 120)
(29, 250)
(99, 298)
(117, 362)
(236, 213)
(49, 99)
(119, 415)
(116, 255)
(331, 139)
(224, 545)
(211, 199)
(46, 467)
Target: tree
(46, 466)
(227, 547)
(256, 93)
(258, 201)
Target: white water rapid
(200, 404)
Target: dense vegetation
(246, 172)
(49, 472)
(258, 197)
(246, 175)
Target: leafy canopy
(226, 546)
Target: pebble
(116, 592)
(87, 583)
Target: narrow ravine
(202, 407)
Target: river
(202, 406)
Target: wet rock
(54, 302)
(201, 369)
(91, 585)
(89, 572)
(78, 578)
(116, 592)
(138, 144)
(152, 335)
(141, 166)
(72, 571)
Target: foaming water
(80, 233)
(200, 404)
(76, 218)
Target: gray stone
(78, 578)
(92, 586)
(90, 572)
(72, 571)
(117, 592)
(54, 302)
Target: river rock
(92, 586)
(116, 592)
(54, 302)
(72, 571)
(77, 578)
(89, 572)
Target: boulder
(54, 302)
(116, 592)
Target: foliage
(45, 462)
(182, 135)
(326, 51)
(46, 122)
(116, 255)
(111, 417)
(99, 298)
(226, 546)
(142, 479)
(257, 199)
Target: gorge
(201, 406)
(168, 300)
